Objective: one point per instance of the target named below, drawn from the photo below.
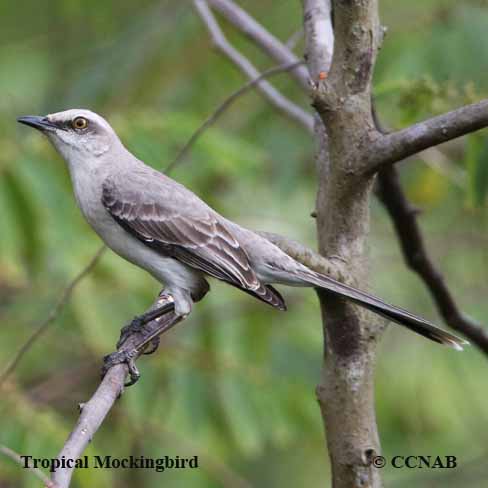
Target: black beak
(38, 122)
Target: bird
(161, 226)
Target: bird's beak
(38, 122)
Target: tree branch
(290, 109)
(261, 36)
(404, 217)
(395, 146)
(96, 409)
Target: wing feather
(194, 235)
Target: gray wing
(170, 219)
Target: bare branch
(92, 415)
(97, 408)
(225, 105)
(261, 36)
(51, 317)
(404, 217)
(390, 148)
(36, 471)
(290, 109)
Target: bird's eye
(80, 123)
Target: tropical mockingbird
(161, 226)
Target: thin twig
(288, 108)
(10, 453)
(212, 118)
(51, 317)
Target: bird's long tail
(391, 312)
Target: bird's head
(77, 134)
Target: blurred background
(235, 383)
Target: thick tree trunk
(346, 389)
(342, 99)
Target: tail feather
(391, 312)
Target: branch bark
(395, 146)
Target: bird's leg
(166, 304)
(129, 356)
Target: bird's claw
(138, 323)
(121, 357)
(135, 326)
(147, 343)
(153, 347)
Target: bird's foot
(121, 357)
(153, 346)
(146, 340)
(137, 326)
(133, 327)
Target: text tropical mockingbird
(161, 226)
